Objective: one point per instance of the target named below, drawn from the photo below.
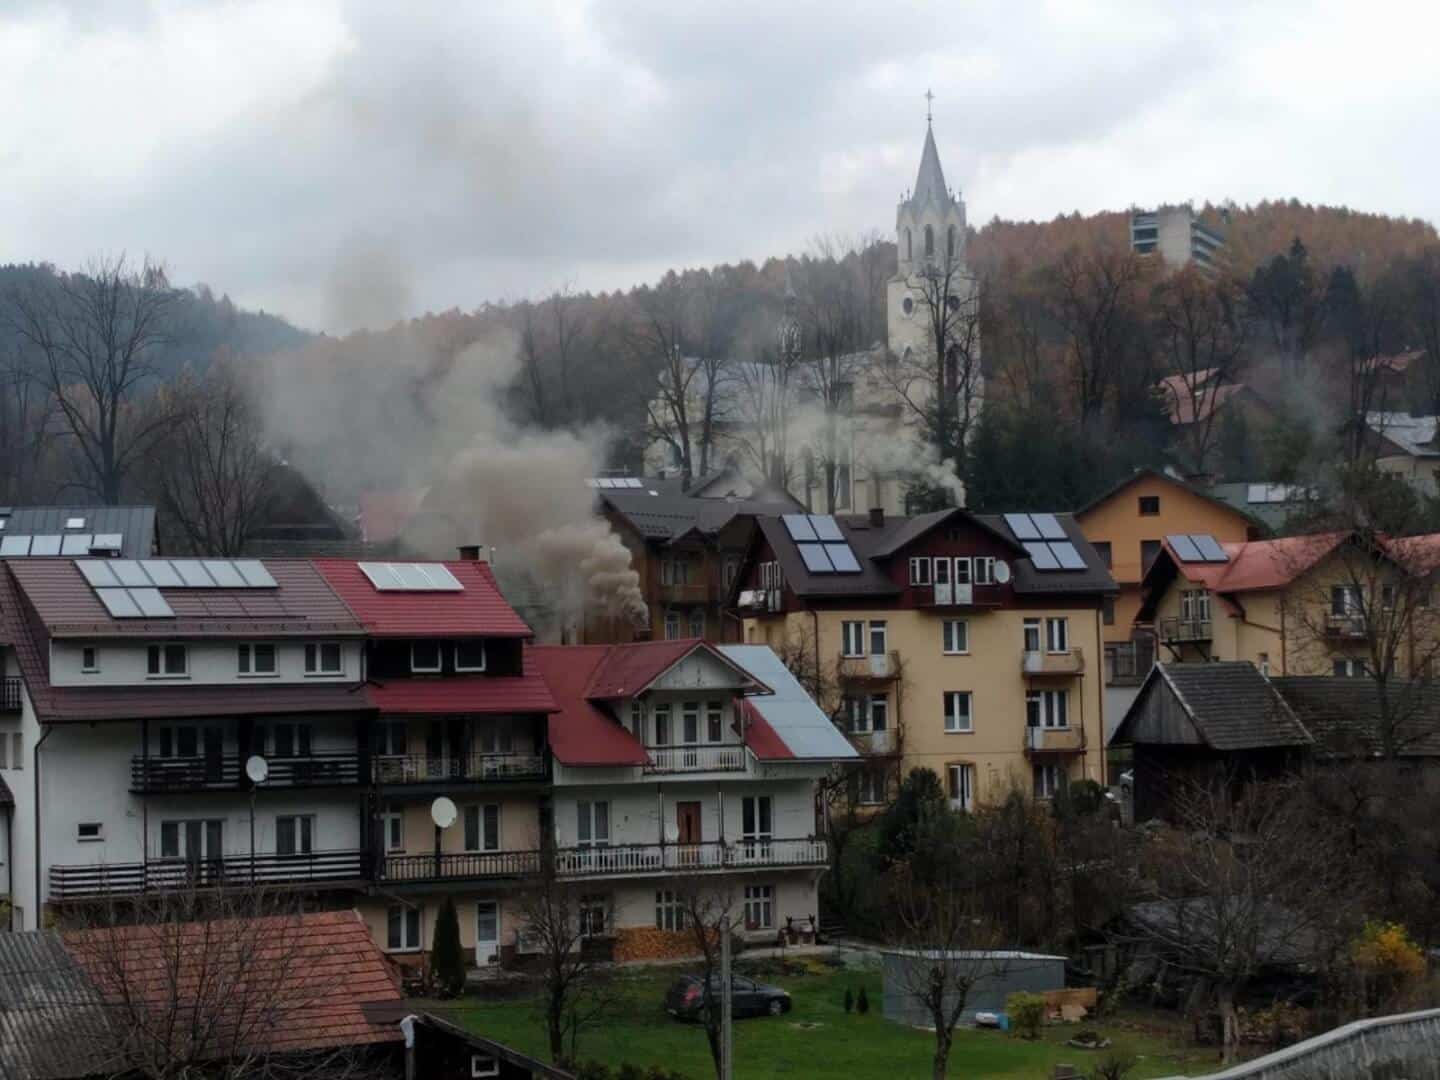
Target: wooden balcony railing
(223, 773)
(1067, 663)
(685, 759)
(459, 866)
(1179, 629)
(424, 769)
(10, 694)
(240, 871)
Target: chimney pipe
(877, 517)
(469, 552)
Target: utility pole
(727, 1055)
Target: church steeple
(930, 180)
(930, 222)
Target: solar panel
(49, 544)
(224, 573)
(1022, 527)
(107, 542)
(842, 558)
(151, 603)
(1049, 526)
(118, 603)
(445, 581)
(799, 527)
(827, 528)
(193, 573)
(130, 572)
(1209, 548)
(1067, 556)
(1185, 549)
(75, 523)
(162, 573)
(75, 544)
(1041, 556)
(816, 561)
(255, 574)
(15, 545)
(381, 575)
(97, 572)
(412, 576)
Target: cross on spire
(929, 97)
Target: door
(487, 933)
(943, 593)
(214, 744)
(687, 822)
(435, 751)
(755, 827)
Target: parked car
(687, 997)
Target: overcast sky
(342, 163)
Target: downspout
(10, 863)
(815, 629)
(39, 903)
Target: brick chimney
(877, 517)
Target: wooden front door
(687, 824)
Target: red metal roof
(762, 739)
(317, 973)
(632, 667)
(583, 733)
(479, 609)
(527, 693)
(75, 704)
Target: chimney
(469, 552)
(877, 517)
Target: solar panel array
(1197, 548)
(614, 482)
(176, 573)
(411, 577)
(24, 545)
(821, 544)
(1046, 542)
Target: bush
(1388, 965)
(447, 958)
(862, 1003)
(849, 1000)
(1026, 1012)
(592, 1070)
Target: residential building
(106, 531)
(1273, 506)
(1178, 235)
(957, 642)
(1406, 446)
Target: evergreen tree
(447, 958)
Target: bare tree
(96, 333)
(1369, 321)
(26, 428)
(1422, 288)
(210, 469)
(657, 335)
(208, 983)
(1095, 299)
(708, 907)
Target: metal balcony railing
(1181, 629)
(684, 759)
(427, 769)
(1068, 662)
(623, 859)
(10, 694)
(110, 879)
(223, 772)
(459, 866)
(1346, 626)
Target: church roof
(930, 181)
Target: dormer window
(324, 659)
(470, 656)
(425, 656)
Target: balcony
(1127, 663)
(157, 775)
(156, 875)
(1065, 664)
(1043, 740)
(400, 769)
(695, 759)
(10, 694)
(1351, 627)
(874, 743)
(642, 859)
(875, 667)
(458, 866)
(1176, 630)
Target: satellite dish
(672, 833)
(1002, 571)
(257, 768)
(443, 812)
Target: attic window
(1149, 505)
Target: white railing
(623, 859)
(680, 759)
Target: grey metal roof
(930, 179)
(135, 524)
(1232, 705)
(52, 1022)
(806, 730)
(1273, 515)
(1415, 435)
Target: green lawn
(816, 1040)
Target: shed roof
(1232, 706)
(478, 609)
(52, 1019)
(1345, 716)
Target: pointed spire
(930, 182)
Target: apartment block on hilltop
(1178, 235)
(958, 642)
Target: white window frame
(759, 907)
(405, 946)
(484, 1065)
(1047, 709)
(93, 666)
(247, 658)
(964, 571)
(637, 718)
(160, 653)
(97, 836)
(427, 669)
(960, 785)
(589, 904)
(1354, 667)
(1049, 779)
(484, 656)
(920, 572)
(1035, 627)
(870, 787)
(478, 810)
(1195, 605)
(392, 828)
(315, 660)
(662, 711)
(672, 626)
(1057, 635)
(590, 815)
(955, 637)
(669, 910)
(714, 721)
(984, 569)
(301, 823)
(879, 630)
(852, 639)
(959, 721)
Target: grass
(817, 1039)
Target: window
(672, 626)
(323, 659)
(1032, 635)
(592, 823)
(89, 659)
(193, 839)
(425, 656)
(1387, 597)
(637, 719)
(482, 827)
(1057, 635)
(1102, 548)
(865, 714)
(17, 747)
(594, 915)
(1262, 661)
(662, 725)
(757, 818)
(181, 740)
(167, 661)
(984, 570)
(714, 721)
(960, 782)
(852, 639)
(877, 639)
(690, 723)
(255, 659)
(920, 571)
(950, 241)
(1344, 600)
(1107, 610)
(731, 571)
(697, 623)
(909, 254)
(955, 637)
(1348, 667)
(89, 831)
(929, 240)
(676, 571)
(4, 746)
(403, 933)
(1149, 505)
(962, 571)
(1195, 605)
(392, 824)
(870, 787)
(470, 656)
(291, 740)
(1047, 708)
(392, 737)
(294, 835)
(957, 711)
(669, 911)
(759, 907)
(484, 1065)
(1050, 780)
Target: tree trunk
(555, 1030)
(1229, 1023)
(943, 1038)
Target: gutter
(39, 902)
(10, 863)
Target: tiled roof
(326, 963)
(52, 1021)
(1232, 706)
(527, 693)
(669, 513)
(302, 604)
(582, 732)
(135, 524)
(1344, 714)
(479, 609)
(75, 704)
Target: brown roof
(1231, 705)
(302, 603)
